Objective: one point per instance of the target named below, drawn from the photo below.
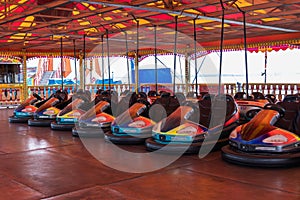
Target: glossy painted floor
(38, 163)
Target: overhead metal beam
(27, 13)
(167, 11)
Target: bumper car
(66, 118)
(250, 106)
(260, 143)
(47, 112)
(25, 110)
(180, 132)
(95, 121)
(132, 126)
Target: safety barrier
(13, 93)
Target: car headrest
(290, 98)
(276, 107)
(142, 95)
(240, 95)
(37, 96)
(152, 93)
(208, 96)
(258, 95)
(165, 94)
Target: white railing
(13, 92)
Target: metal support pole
(25, 87)
(91, 70)
(195, 52)
(136, 63)
(84, 63)
(187, 73)
(155, 57)
(221, 48)
(137, 58)
(175, 53)
(127, 59)
(61, 65)
(266, 62)
(108, 62)
(245, 48)
(81, 71)
(76, 77)
(102, 60)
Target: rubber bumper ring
(14, 119)
(61, 127)
(41, 122)
(126, 139)
(233, 155)
(188, 148)
(88, 132)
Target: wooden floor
(38, 163)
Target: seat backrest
(169, 104)
(204, 111)
(271, 98)
(152, 93)
(287, 122)
(290, 98)
(165, 94)
(240, 95)
(191, 95)
(180, 96)
(258, 95)
(125, 103)
(219, 103)
(296, 124)
(231, 107)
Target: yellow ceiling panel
(76, 12)
(169, 33)
(62, 28)
(208, 28)
(270, 19)
(120, 25)
(93, 38)
(83, 23)
(192, 11)
(116, 11)
(94, 30)
(220, 25)
(107, 18)
(130, 32)
(152, 28)
(57, 37)
(27, 22)
(142, 21)
(151, 4)
(243, 3)
(179, 16)
(88, 6)
(260, 11)
(200, 21)
(19, 36)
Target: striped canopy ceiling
(43, 26)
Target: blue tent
(58, 82)
(148, 75)
(106, 81)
